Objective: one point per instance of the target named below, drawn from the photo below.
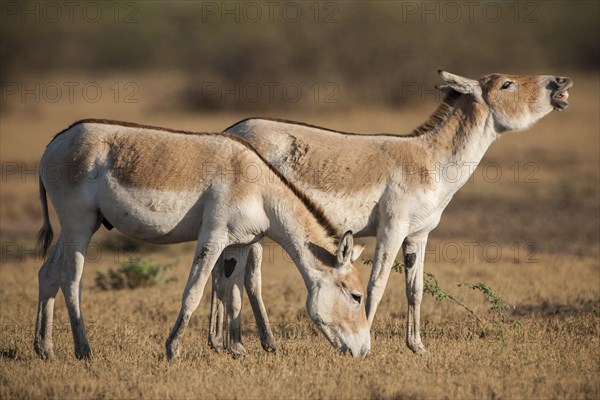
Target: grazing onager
(167, 186)
(396, 187)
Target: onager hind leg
(253, 284)
(228, 282)
(49, 283)
(232, 292)
(215, 333)
(414, 258)
(224, 288)
(76, 240)
(205, 258)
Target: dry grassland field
(527, 226)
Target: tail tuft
(44, 239)
(45, 235)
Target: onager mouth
(328, 330)
(560, 96)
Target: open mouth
(560, 97)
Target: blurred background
(368, 51)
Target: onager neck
(457, 136)
(310, 241)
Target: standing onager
(166, 186)
(394, 187)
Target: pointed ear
(459, 84)
(345, 249)
(357, 251)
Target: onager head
(515, 101)
(335, 301)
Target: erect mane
(441, 114)
(308, 202)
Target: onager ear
(459, 84)
(357, 251)
(345, 249)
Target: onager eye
(357, 297)
(506, 85)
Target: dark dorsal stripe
(312, 207)
(445, 110)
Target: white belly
(151, 215)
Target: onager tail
(45, 235)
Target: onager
(167, 186)
(395, 187)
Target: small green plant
(397, 266)
(431, 286)
(497, 304)
(133, 273)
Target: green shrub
(432, 287)
(133, 273)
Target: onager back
(166, 186)
(396, 187)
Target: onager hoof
(269, 346)
(173, 349)
(45, 352)
(83, 354)
(418, 349)
(421, 351)
(216, 343)
(238, 350)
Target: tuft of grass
(133, 273)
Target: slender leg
(215, 334)
(388, 245)
(233, 306)
(49, 283)
(204, 261)
(414, 258)
(253, 284)
(228, 282)
(74, 248)
(231, 287)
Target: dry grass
(548, 348)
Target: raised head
(515, 101)
(336, 299)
